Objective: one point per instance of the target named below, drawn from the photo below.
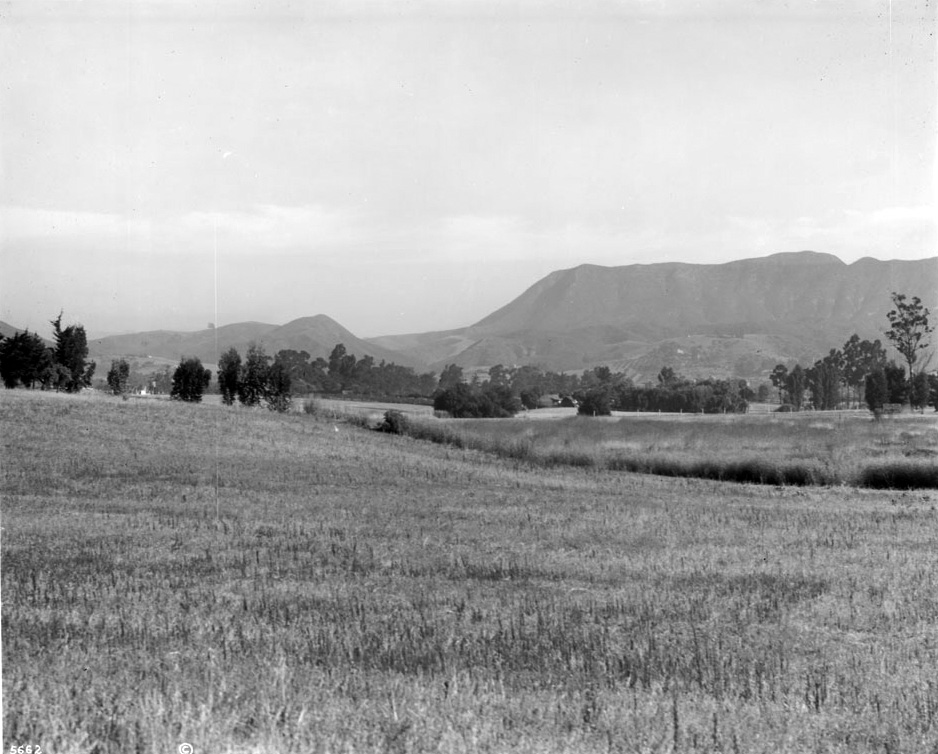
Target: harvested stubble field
(249, 582)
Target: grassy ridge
(786, 451)
(248, 582)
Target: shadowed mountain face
(785, 293)
(739, 318)
(317, 335)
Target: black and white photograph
(469, 376)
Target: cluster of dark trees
(597, 392)
(837, 378)
(343, 373)
(26, 360)
(190, 380)
(861, 372)
(672, 393)
(466, 401)
(506, 390)
(832, 384)
(260, 378)
(255, 380)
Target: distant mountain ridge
(752, 312)
(670, 299)
(740, 319)
(317, 335)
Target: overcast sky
(411, 166)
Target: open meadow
(244, 581)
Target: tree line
(261, 379)
(258, 378)
(26, 360)
(861, 372)
(672, 393)
(345, 373)
(597, 392)
(251, 382)
(857, 372)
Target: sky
(413, 166)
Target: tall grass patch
(794, 450)
(902, 475)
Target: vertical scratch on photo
(215, 328)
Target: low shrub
(755, 471)
(900, 476)
(395, 423)
(750, 471)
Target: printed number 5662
(30, 749)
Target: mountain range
(735, 319)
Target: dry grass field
(249, 582)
